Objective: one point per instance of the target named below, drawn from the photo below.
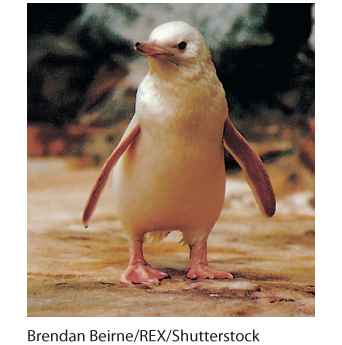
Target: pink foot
(142, 274)
(203, 272)
(138, 270)
(198, 264)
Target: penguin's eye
(181, 45)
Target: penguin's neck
(178, 73)
(167, 76)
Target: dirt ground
(74, 271)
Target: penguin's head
(175, 42)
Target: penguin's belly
(169, 185)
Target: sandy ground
(74, 271)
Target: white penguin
(169, 171)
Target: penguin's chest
(170, 179)
(172, 163)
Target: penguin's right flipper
(131, 132)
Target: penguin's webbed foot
(204, 271)
(142, 274)
(138, 270)
(198, 264)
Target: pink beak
(150, 48)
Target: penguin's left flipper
(254, 169)
(131, 132)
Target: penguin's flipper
(131, 132)
(254, 169)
